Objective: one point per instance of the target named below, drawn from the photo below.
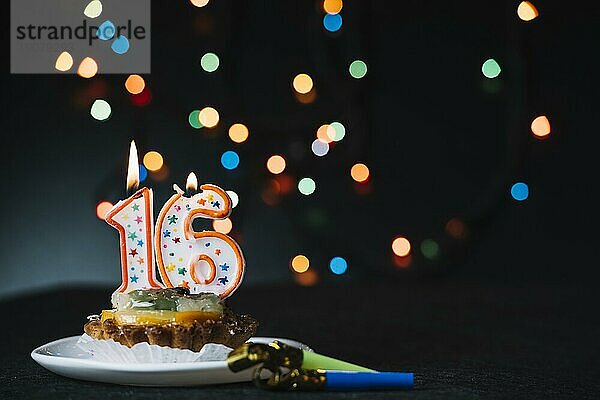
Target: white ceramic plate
(63, 357)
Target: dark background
(507, 311)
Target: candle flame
(192, 182)
(133, 169)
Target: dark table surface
(466, 340)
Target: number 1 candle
(134, 219)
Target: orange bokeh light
(401, 246)
(308, 278)
(540, 126)
(300, 263)
(103, 208)
(324, 134)
(276, 164)
(333, 6)
(527, 11)
(222, 225)
(238, 133)
(359, 172)
(135, 84)
(87, 68)
(456, 228)
(302, 83)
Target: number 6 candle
(134, 219)
(205, 261)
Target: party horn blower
(282, 355)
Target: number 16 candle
(134, 219)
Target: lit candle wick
(133, 170)
(191, 185)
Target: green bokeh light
(209, 62)
(194, 119)
(358, 69)
(340, 131)
(100, 110)
(491, 68)
(430, 249)
(307, 186)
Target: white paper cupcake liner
(111, 351)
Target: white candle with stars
(205, 261)
(134, 219)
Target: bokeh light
(307, 186)
(338, 130)
(93, 9)
(527, 11)
(302, 83)
(199, 3)
(87, 68)
(333, 6)
(276, 164)
(308, 278)
(338, 265)
(64, 62)
(332, 22)
(106, 30)
(430, 249)
(238, 133)
(153, 161)
(135, 84)
(358, 69)
(102, 209)
(100, 110)
(120, 45)
(359, 172)
(209, 117)
(319, 148)
(456, 228)
(300, 263)
(286, 183)
(235, 199)
(209, 62)
(194, 119)
(325, 133)
(230, 160)
(143, 173)
(519, 191)
(401, 246)
(490, 68)
(540, 126)
(222, 225)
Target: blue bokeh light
(520, 191)
(143, 173)
(338, 265)
(230, 160)
(332, 22)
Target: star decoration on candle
(140, 243)
(170, 267)
(135, 207)
(210, 197)
(133, 252)
(167, 233)
(216, 204)
(223, 280)
(181, 270)
(185, 284)
(218, 251)
(177, 240)
(138, 219)
(224, 267)
(172, 219)
(202, 202)
(140, 260)
(134, 278)
(132, 235)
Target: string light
(238, 133)
(120, 45)
(359, 172)
(135, 84)
(209, 117)
(307, 186)
(456, 228)
(300, 263)
(153, 161)
(540, 126)
(338, 130)
(230, 160)
(324, 134)
(199, 3)
(430, 249)
(276, 164)
(235, 199)
(332, 22)
(64, 62)
(222, 225)
(102, 209)
(319, 148)
(209, 62)
(106, 30)
(401, 246)
(302, 83)
(194, 119)
(87, 68)
(527, 11)
(333, 6)
(93, 9)
(490, 68)
(338, 265)
(358, 69)
(100, 110)
(519, 191)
